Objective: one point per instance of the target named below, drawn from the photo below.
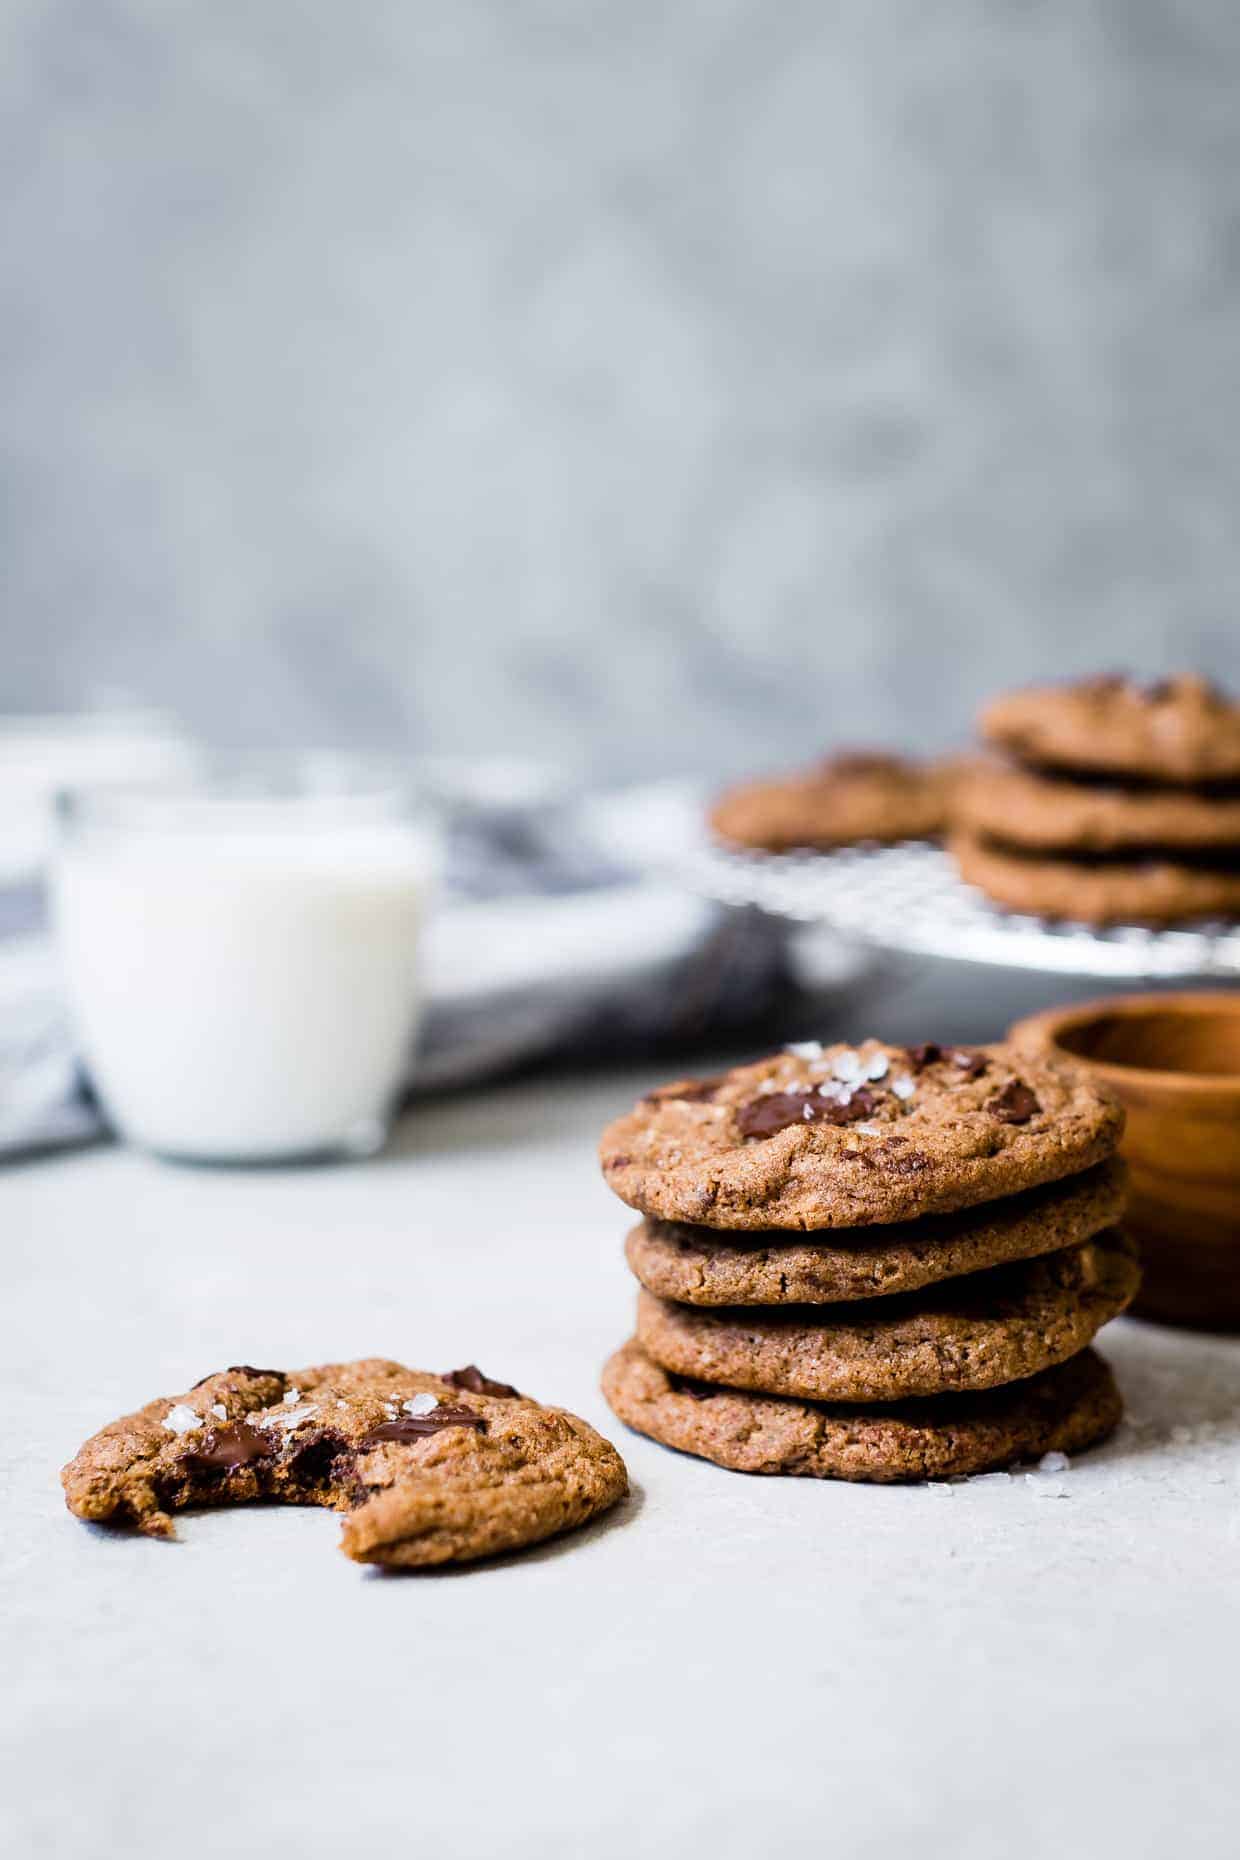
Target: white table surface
(726, 1666)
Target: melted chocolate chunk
(780, 1110)
(971, 1065)
(313, 1460)
(225, 1449)
(688, 1091)
(932, 1053)
(418, 1426)
(854, 1108)
(763, 1117)
(617, 1162)
(683, 1385)
(241, 1369)
(472, 1378)
(1015, 1104)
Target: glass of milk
(240, 951)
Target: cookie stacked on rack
(872, 1262)
(1109, 802)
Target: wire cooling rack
(910, 898)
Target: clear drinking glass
(240, 951)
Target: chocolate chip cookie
(1026, 808)
(837, 1136)
(703, 1266)
(848, 799)
(1064, 1409)
(976, 1333)
(427, 1469)
(1177, 730)
(1158, 888)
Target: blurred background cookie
(848, 798)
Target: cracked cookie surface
(837, 1136)
(1064, 1409)
(977, 1333)
(427, 1469)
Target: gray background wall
(658, 382)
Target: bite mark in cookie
(422, 1476)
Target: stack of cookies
(1113, 802)
(872, 1262)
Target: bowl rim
(1049, 1024)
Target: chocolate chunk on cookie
(779, 1144)
(847, 799)
(424, 1474)
(1176, 730)
(1064, 1410)
(703, 1266)
(976, 1333)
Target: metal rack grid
(910, 898)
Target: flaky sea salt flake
(847, 1066)
(804, 1049)
(1054, 1462)
(903, 1087)
(288, 1417)
(421, 1404)
(181, 1419)
(218, 1408)
(877, 1066)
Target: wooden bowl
(1174, 1059)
